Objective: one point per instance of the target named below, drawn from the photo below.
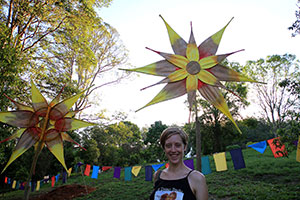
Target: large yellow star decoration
(193, 68)
(42, 124)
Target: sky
(259, 26)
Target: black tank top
(172, 189)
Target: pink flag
(87, 170)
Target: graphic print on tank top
(168, 194)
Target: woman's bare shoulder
(197, 176)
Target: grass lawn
(264, 177)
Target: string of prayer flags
(105, 168)
(69, 171)
(14, 184)
(259, 146)
(237, 158)
(277, 148)
(64, 177)
(38, 185)
(127, 173)
(157, 166)
(189, 163)
(117, 172)
(205, 166)
(220, 161)
(148, 173)
(95, 172)
(87, 170)
(136, 170)
(32, 186)
(52, 181)
(298, 151)
(57, 177)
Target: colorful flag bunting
(148, 173)
(17, 185)
(64, 177)
(189, 163)
(14, 184)
(298, 151)
(277, 151)
(57, 177)
(157, 166)
(52, 181)
(220, 161)
(32, 186)
(87, 170)
(237, 158)
(136, 170)
(69, 172)
(117, 172)
(259, 146)
(105, 168)
(38, 185)
(127, 173)
(205, 167)
(95, 172)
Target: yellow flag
(135, 170)
(298, 151)
(14, 184)
(220, 161)
(69, 171)
(38, 186)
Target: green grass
(264, 177)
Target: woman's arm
(198, 185)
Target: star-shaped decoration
(193, 68)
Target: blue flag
(260, 146)
(95, 172)
(57, 177)
(127, 173)
(189, 163)
(148, 173)
(237, 158)
(157, 166)
(205, 167)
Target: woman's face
(174, 149)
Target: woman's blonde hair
(168, 132)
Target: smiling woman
(177, 182)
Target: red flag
(52, 181)
(87, 170)
(277, 147)
(105, 168)
(5, 180)
(167, 165)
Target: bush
(230, 147)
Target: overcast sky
(259, 26)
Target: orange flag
(87, 170)
(277, 151)
(220, 161)
(298, 150)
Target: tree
(216, 119)
(274, 100)
(153, 150)
(296, 25)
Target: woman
(177, 181)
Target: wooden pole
(198, 140)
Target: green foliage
(295, 27)
(231, 147)
(154, 150)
